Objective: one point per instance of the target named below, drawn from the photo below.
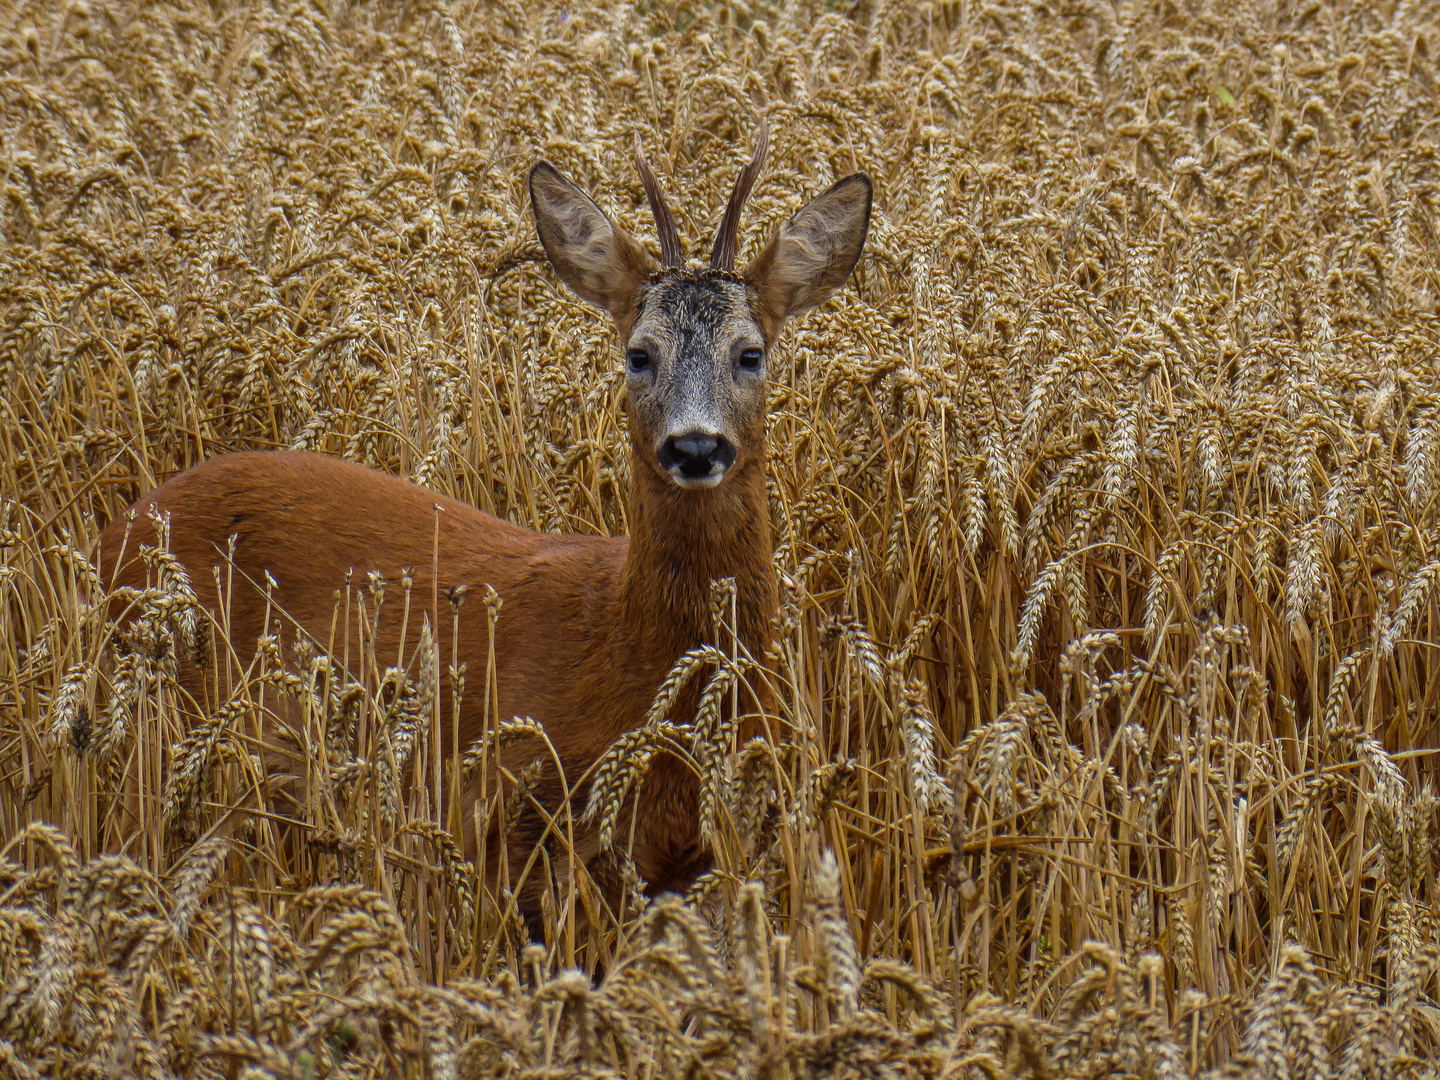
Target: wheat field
(1106, 497)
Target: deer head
(697, 337)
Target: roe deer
(590, 626)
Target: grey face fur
(695, 372)
(696, 340)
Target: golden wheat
(1107, 501)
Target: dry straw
(1103, 693)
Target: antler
(722, 256)
(670, 252)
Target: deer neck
(681, 540)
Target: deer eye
(638, 359)
(750, 358)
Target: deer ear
(812, 254)
(598, 259)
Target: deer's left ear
(812, 254)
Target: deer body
(590, 626)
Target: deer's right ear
(598, 259)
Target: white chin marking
(694, 482)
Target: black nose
(696, 454)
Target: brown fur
(590, 627)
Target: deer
(591, 625)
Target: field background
(1106, 497)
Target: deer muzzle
(697, 458)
